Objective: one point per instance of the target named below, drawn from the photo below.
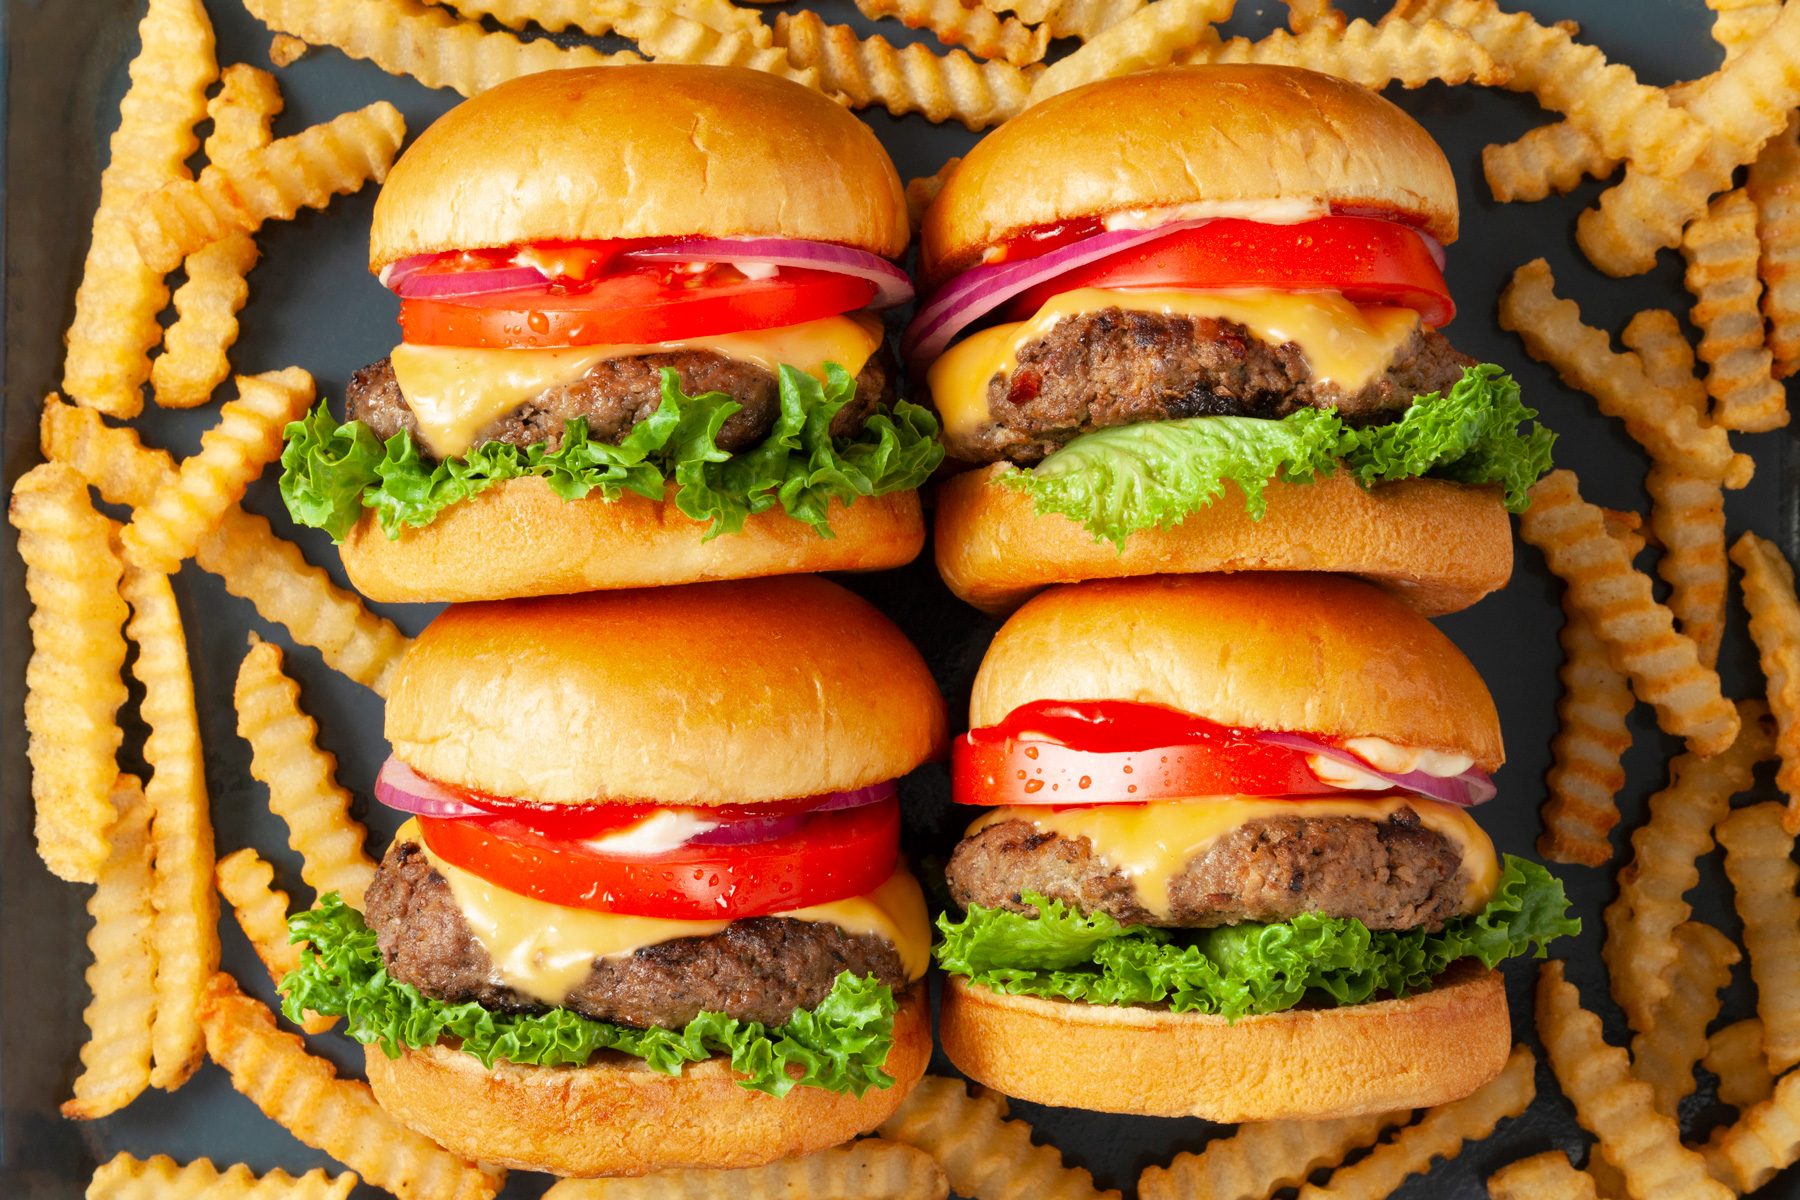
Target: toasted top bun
(1188, 135)
(657, 150)
(719, 693)
(1299, 653)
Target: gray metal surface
(313, 303)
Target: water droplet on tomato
(1084, 782)
(539, 322)
(1130, 788)
(1031, 752)
(1126, 770)
(1033, 785)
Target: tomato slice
(1367, 259)
(831, 856)
(1112, 751)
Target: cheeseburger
(1188, 320)
(640, 344)
(647, 909)
(1230, 855)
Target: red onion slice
(400, 787)
(1466, 790)
(451, 285)
(753, 829)
(892, 285)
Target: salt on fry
(1411, 54)
(120, 297)
(248, 883)
(285, 50)
(303, 790)
(869, 1169)
(116, 1059)
(1759, 862)
(72, 686)
(304, 1095)
(1664, 1056)
(1083, 19)
(1735, 1055)
(1550, 158)
(922, 191)
(161, 1178)
(1263, 1157)
(983, 1154)
(1764, 1141)
(232, 454)
(1722, 253)
(975, 29)
(1151, 37)
(1587, 766)
(1546, 1176)
(1775, 628)
(1306, 15)
(1774, 186)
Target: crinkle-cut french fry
(162, 1178)
(303, 790)
(870, 1169)
(1587, 755)
(1775, 628)
(1152, 37)
(110, 458)
(909, 79)
(1083, 19)
(667, 36)
(120, 297)
(594, 18)
(1261, 1158)
(1759, 862)
(1305, 15)
(1655, 336)
(1738, 23)
(1439, 1134)
(1644, 1144)
(116, 1059)
(1411, 54)
(1775, 188)
(285, 50)
(1551, 158)
(1664, 667)
(187, 909)
(304, 1095)
(1744, 105)
(72, 686)
(975, 29)
(984, 1155)
(1664, 1057)
(1735, 1055)
(1687, 515)
(269, 183)
(1642, 919)
(1721, 252)
(1583, 356)
(232, 454)
(1764, 1141)
(193, 361)
(922, 191)
(261, 908)
(1546, 1176)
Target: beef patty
(1116, 367)
(1389, 874)
(760, 969)
(617, 393)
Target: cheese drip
(1343, 343)
(455, 391)
(545, 950)
(1151, 843)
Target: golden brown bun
(519, 538)
(1439, 546)
(1304, 653)
(619, 1117)
(657, 150)
(713, 693)
(1186, 135)
(1428, 1049)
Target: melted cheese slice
(1344, 343)
(1151, 843)
(454, 391)
(544, 950)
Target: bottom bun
(519, 539)
(1439, 546)
(617, 1116)
(1428, 1049)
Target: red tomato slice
(1369, 260)
(834, 855)
(1109, 751)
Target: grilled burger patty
(617, 393)
(1116, 367)
(1389, 874)
(760, 969)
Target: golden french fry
(1305, 15)
(285, 50)
(1084, 19)
(120, 297)
(1587, 755)
(1583, 356)
(1262, 1158)
(984, 1155)
(1775, 628)
(193, 361)
(1404, 52)
(922, 191)
(1775, 188)
(285, 757)
(1687, 514)
(232, 454)
(1759, 863)
(1151, 37)
(1738, 23)
(1664, 1056)
(110, 458)
(116, 1059)
(870, 1169)
(304, 1095)
(667, 36)
(72, 685)
(261, 908)
(268, 183)
(1722, 252)
(1655, 336)
(976, 29)
(1551, 158)
(1735, 1055)
(161, 1178)
(1546, 1176)
(1763, 1142)
(594, 16)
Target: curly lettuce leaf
(332, 471)
(839, 1045)
(1242, 969)
(1155, 474)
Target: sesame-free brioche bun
(617, 1116)
(648, 151)
(1237, 135)
(1302, 653)
(1430, 1048)
(719, 693)
(1438, 545)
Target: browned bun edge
(1309, 1064)
(519, 538)
(616, 1116)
